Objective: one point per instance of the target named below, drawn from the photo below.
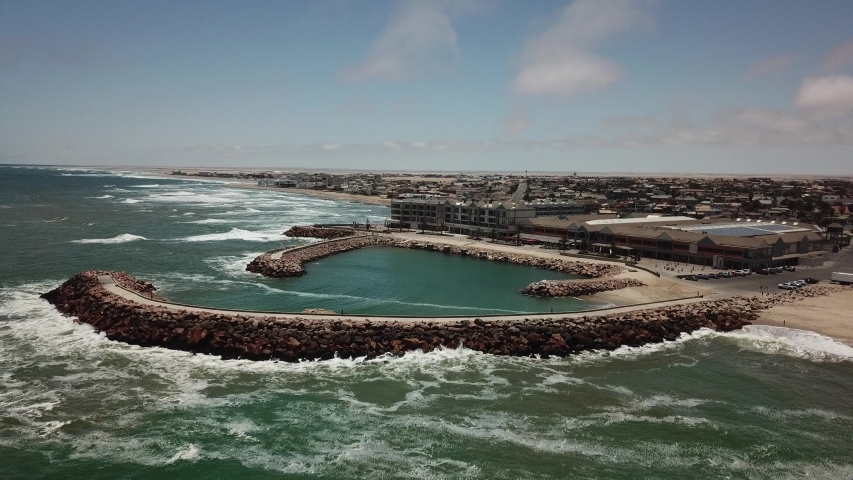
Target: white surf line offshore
(123, 238)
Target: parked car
(725, 275)
(763, 271)
(747, 272)
(787, 286)
(692, 278)
(702, 276)
(790, 268)
(798, 283)
(811, 280)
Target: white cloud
(841, 57)
(769, 66)
(557, 61)
(420, 39)
(829, 96)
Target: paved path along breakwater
(241, 335)
(290, 262)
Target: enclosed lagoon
(396, 281)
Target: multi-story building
(457, 217)
(467, 217)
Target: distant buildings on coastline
(817, 201)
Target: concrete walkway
(111, 286)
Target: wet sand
(831, 315)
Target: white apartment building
(468, 217)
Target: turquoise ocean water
(761, 403)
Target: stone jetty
(318, 232)
(578, 288)
(284, 263)
(238, 335)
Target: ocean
(764, 402)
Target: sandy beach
(656, 290)
(831, 315)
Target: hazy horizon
(763, 87)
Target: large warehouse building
(718, 243)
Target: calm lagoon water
(761, 403)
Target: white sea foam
(788, 341)
(188, 453)
(619, 417)
(242, 428)
(132, 200)
(233, 265)
(235, 234)
(87, 175)
(123, 238)
(210, 221)
(666, 401)
(56, 220)
(104, 197)
(184, 196)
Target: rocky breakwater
(290, 263)
(237, 335)
(316, 232)
(578, 288)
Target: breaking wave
(792, 342)
(123, 238)
(235, 234)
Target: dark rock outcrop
(317, 232)
(578, 288)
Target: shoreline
(348, 197)
(830, 315)
(165, 174)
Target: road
(518, 196)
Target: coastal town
(820, 201)
(720, 222)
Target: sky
(729, 86)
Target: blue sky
(607, 86)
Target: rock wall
(291, 262)
(578, 288)
(240, 336)
(315, 232)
